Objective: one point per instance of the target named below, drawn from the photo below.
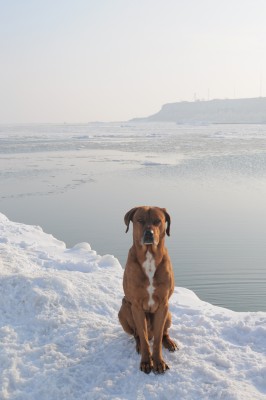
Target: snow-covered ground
(60, 337)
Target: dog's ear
(168, 220)
(129, 217)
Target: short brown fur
(143, 315)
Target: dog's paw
(159, 367)
(146, 366)
(169, 344)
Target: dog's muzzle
(148, 237)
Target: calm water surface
(78, 181)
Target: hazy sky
(88, 60)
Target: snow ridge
(60, 337)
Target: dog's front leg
(142, 331)
(159, 365)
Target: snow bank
(60, 337)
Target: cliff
(237, 111)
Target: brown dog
(148, 283)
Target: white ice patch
(149, 268)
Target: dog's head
(149, 224)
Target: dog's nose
(148, 237)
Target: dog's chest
(149, 269)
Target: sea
(77, 181)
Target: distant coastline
(228, 111)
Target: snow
(60, 337)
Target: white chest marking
(149, 268)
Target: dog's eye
(156, 222)
(141, 221)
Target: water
(78, 181)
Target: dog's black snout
(148, 236)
